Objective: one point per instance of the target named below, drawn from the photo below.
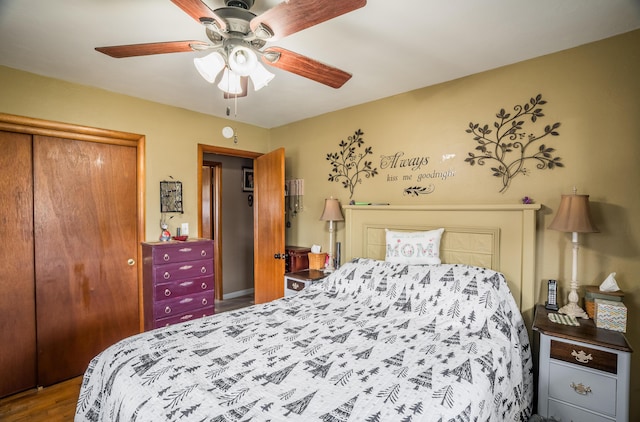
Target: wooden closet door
(85, 235)
(17, 322)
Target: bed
(375, 341)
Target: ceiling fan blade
(293, 16)
(132, 50)
(306, 67)
(244, 83)
(197, 10)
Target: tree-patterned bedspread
(373, 342)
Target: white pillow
(413, 247)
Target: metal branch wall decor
(349, 165)
(509, 146)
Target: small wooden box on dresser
(178, 282)
(584, 371)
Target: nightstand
(583, 371)
(295, 282)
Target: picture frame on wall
(247, 179)
(171, 196)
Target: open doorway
(227, 218)
(268, 220)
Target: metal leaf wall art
(508, 147)
(349, 165)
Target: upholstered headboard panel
(500, 237)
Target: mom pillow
(413, 247)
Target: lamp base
(573, 309)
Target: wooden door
(17, 323)
(85, 216)
(269, 226)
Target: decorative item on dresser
(178, 281)
(297, 258)
(583, 371)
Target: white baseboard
(239, 293)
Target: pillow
(413, 247)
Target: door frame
(217, 245)
(33, 126)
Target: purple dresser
(178, 281)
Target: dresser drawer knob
(203, 253)
(166, 275)
(167, 310)
(203, 286)
(205, 301)
(203, 270)
(581, 356)
(167, 292)
(166, 257)
(580, 388)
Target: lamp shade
(574, 215)
(209, 66)
(242, 60)
(230, 82)
(260, 77)
(332, 211)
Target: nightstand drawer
(583, 388)
(563, 412)
(295, 285)
(584, 356)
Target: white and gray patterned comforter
(373, 342)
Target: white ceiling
(390, 47)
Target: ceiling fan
(237, 37)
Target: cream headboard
(500, 237)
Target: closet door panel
(17, 324)
(85, 235)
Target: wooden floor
(57, 403)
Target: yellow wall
(172, 134)
(593, 91)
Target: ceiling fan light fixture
(230, 82)
(209, 66)
(260, 77)
(242, 60)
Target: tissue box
(611, 315)
(593, 292)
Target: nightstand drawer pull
(581, 356)
(580, 388)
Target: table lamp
(574, 217)
(331, 213)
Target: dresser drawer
(563, 412)
(186, 251)
(174, 289)
(182, 304)
(183, 270)
(584, 388)
(186, 316)
(584, 356)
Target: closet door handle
(131, 262)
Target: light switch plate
(184, 230)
